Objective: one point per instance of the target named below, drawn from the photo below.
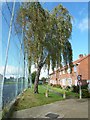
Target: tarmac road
(69, 108)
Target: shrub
(43, 79)
(51, 84)
(75, 89)
(85, 86)
(85, 93)
(68, 88)
(54, 85)
(58, 86)
(5, 112)
(33, 75)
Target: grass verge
(69, 93)
(28, 99)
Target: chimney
(80, 56)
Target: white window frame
(69, 81)
(68, 70)
(60, 73)
(63, 82)
(63, 71)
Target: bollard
(46, 93)
(64, 95)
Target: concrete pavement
(69, 108)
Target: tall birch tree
(47, 36)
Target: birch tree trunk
(37, 79)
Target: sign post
(79, 77)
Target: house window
(60, 73)
(63, 71)
(69, 81)
(68, 70)
(64, 82)
(76, 81)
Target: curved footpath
(69, 108)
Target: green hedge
(85, 93)
(84, 88)
(75, 89)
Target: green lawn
(69, 94)
(28, 99)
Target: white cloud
(44, 72)
(82, 11)
(33, 68)
(83, 25)
(11, 71)
(74, 22)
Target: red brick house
(64, 78)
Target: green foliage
(68, 88)
(43, 79)
(69, 94)
(33, 76)
(85, 86)
(28, 99)
(75, 89)
(85, 93)
(5, 112)
(47, 34)
(58, 86)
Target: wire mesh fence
(13, 67)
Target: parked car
(40, 82)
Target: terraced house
(80, 67)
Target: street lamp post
(79, 77)
(80, 91)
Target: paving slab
(69, 108)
